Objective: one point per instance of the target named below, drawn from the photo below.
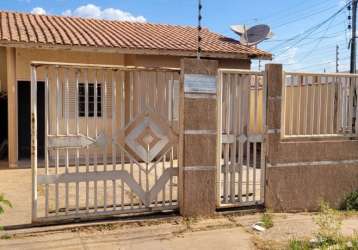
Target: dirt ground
(221, 232)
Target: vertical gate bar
(46, 140)
(131, 174)
(227, 132)
(34, 140)
(256, 87)
(66, 100)
(147, 179)
(300, 85)
(236, 122)
(171, 156)
(312, 116)
(155, 179)
(338, 105)
(292, 110)
(219, 138)
(248, 86)
(283, 104)
(105, 120)
(248, 144)
(233, 146)
(171, 177)
(356, 102)
(114, 118)
(254, 171)
(146, 163)
(77, 106)
(139, 81)
(131, 115)
(95, 155)
(255, 143)
(87, 134)
(333, 106)
(163, 169)
(122, 127)
(58, 105)
(131, 101)
(241, 134)
(344, 104)
(156, 92)
(341, 107)
(326, 120)
(345, 109)
(348, 109)
(143, 108)
(319, 108)
(350, 116)
(156, 165)
(305, 121)
(170, 98)
(263, 143)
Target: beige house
(26, 37)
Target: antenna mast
(199, 29)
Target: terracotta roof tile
(74, 31)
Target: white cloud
(93, 11)
(38, 11)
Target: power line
(319, 64)
(308, 32)
(331, 35)
(319, 40)
(282, 14)
(304, 16)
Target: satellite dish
(238, 29)
(254, 35)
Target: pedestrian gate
(111, 141)
(242, 119)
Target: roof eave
(217, 55)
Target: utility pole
(337, 59)
(353, 41)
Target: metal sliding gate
(111, 141)
(242, 118)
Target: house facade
(25, 38)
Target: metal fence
(242, 112)
(319, 105)
(111, 140)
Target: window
(91, 100)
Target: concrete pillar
(12, 106)
(274, 77)
(198, 137)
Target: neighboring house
(26, 37)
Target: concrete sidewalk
(173, 232)
(219, 233)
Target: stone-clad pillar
(198, 137)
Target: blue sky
(289, 21)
